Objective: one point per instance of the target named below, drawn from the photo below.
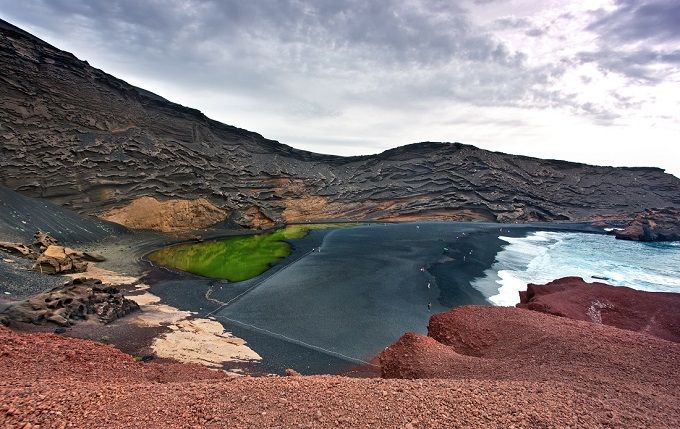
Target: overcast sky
(592, 81)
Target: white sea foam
(544, 256)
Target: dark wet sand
(329, 311)
(317, 312)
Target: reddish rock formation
(513, 343)
(653, 225)
(58, 382)
(653, 313)
(60, 260)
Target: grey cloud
(638, 39)
(634, 21)
(637, 64)
(313, 59)
(511, 22)
(262, 48)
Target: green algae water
(235, 258)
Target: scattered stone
(19, 248)
(43, 240)
(289, 372)
(72, 302)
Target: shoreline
(188, 294)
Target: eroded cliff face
(84, 139)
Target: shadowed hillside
(86, 140)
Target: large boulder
(653, 225)
(652, 313)
(75, 301)
(60, 260)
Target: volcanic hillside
(84, 139)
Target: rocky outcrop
(652, 313)
(60, 260)
(653, 225)
(57, 381)
(476, 342)
(17, 248)
(75, 301)
(81, 138)
(50, 257)
(174, 215)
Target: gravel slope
(58, 382)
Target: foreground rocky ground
(479, 367)
(57, 382)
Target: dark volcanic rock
(72, 302)
(653, 225)
(653, 313)
(84, 139)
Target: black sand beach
(343, 295)
(332, 305)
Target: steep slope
(21, 217)
(84, 139)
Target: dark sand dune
(21, 217)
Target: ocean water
(545, 256)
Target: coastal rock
(72, 302)
(653, 225)
(653, 313)
(111, 144)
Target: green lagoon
(236, 258)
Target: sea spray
(544, 256)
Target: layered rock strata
(81, 138)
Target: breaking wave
(545, 256)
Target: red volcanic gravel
(53, 382)
(654, 313)
(517, 345)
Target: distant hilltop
(84, 139)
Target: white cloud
(549, 79)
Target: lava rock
(73, 302)
(653, 313)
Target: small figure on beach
(429, 306)
(428, 285)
